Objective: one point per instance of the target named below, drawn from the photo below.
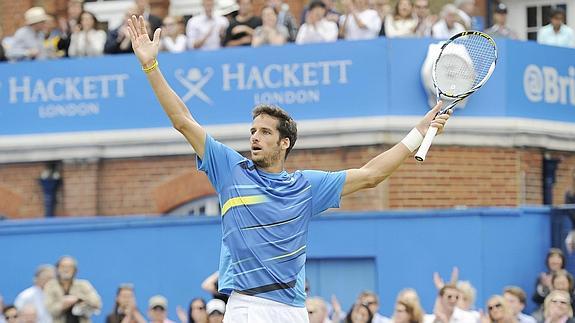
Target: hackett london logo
(295, 83)
(194, 80)
(66, 96)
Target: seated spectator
(383, 9)
(331, 13)
(196, 312)
(241, 28)
(516, 298)
(28, 41)
(467, 298)
(88, 40)
(28, 314)
(556, 33)
(447, 26)
(269, 33)
(70, 24)
(158, 310)
(407, 312)
(402, 22)
(173, 39)
(498, 311)
(316, 310)
(206, 30)
(118, 40)
(229, 10)
(359, 313)
(359, 22)
(563, 280)
(467, 16)
(371, 300)
(317, 29)
(52, 36)
(408, 295)
(34, 295)
(125, 307)
(216, 308)
(499, 28)
(2, 52)
(69, 298)
(284, 17)
(557, 308)
(555, 261)
(10, 314)
(425, 20)
(446, 310)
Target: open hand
(145, 49)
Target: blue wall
(171, 256)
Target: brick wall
(451, 176)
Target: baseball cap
(216, 305)
(158, 300)
(501, 8)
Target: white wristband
(413, 140)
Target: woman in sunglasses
(498, 311)
(557, 308)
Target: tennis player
(266, 210)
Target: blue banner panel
(541, 82)
(311, 82)
(323, 81)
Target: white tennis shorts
(250, 309)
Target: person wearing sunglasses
(446, 310)
(557, 308)
(498, 311)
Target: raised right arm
(147, 51)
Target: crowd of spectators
(58, 296)
(80, 33)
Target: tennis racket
(465, 63)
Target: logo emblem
(194, 81)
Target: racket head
(464, 64)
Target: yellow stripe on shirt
(287, 254)
(242, 200)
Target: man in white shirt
(316, 28)
(448, 25)
(446, 310)
(205, 31)
(516, 297)
(34, 295)
(556, 33)
(28, 41)
(359, 22)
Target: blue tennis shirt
(265, 218)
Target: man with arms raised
(266, 210)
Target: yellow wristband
(151, 68)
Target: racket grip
(426, 144)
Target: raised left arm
(384, 164)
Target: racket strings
(464, 63)
(482, 55)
